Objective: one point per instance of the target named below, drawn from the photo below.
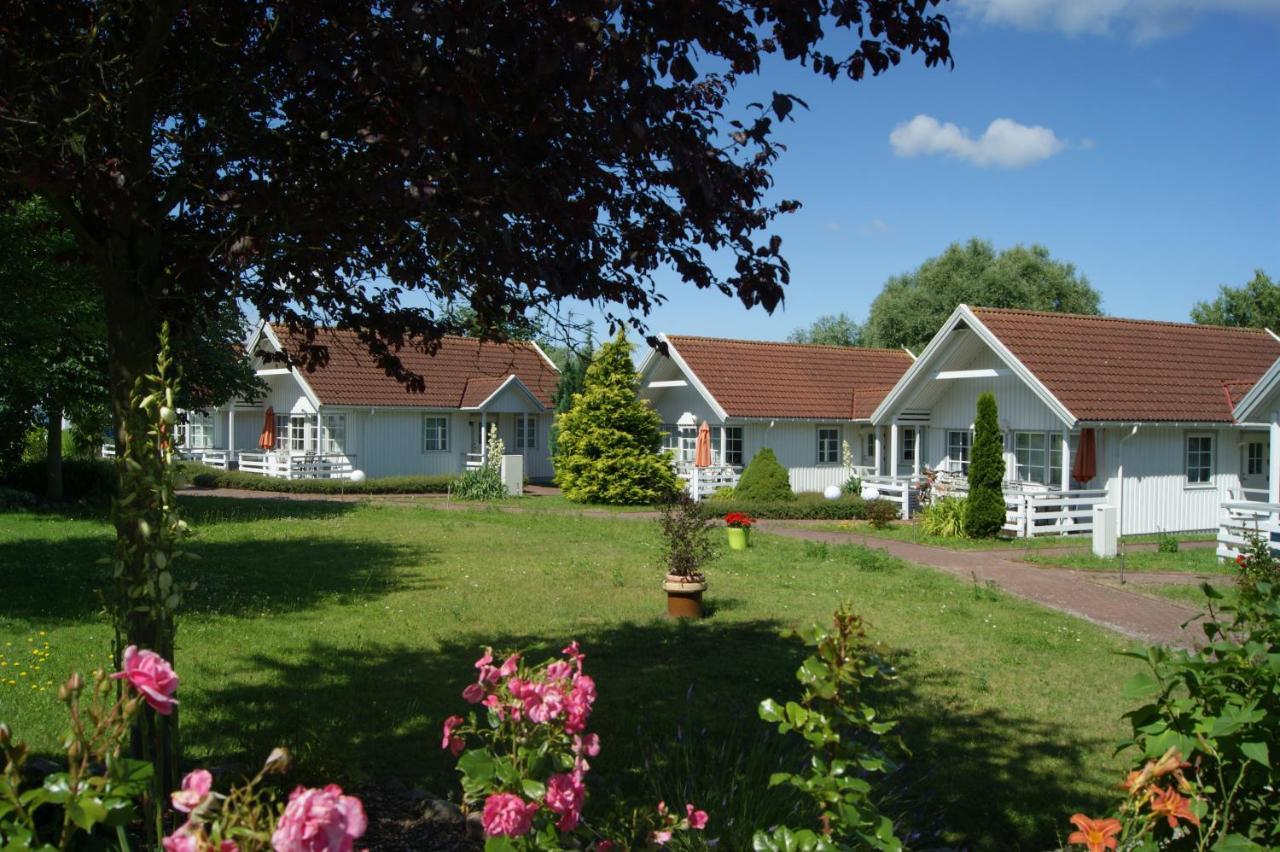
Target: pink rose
(506, 814)
(182, 840)
(697, 819)
(319, 821)
(195, 789)
(661, 837)
(588, 744)
(474, 693)
(565, 795)
(454, 744)
(152, 676)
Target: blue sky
(1143, 149)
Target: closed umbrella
(702, 451)
(267, 440)
(1085, 467)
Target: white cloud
(873, 228)
(1005, 142)
(1139, 20)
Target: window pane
(435, 434)
(733, 445)
(828, 446)
(908, 445)
(958, 446)
(1199, 459)
(1029, 456)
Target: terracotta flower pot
(684, 597)
(739, 537)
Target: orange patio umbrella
(702, 450)
(1085, 466)
(267, 440)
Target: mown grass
(347, 632)
(1188, 560)
(1190, 595)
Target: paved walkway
(1090, 595)
(1078, 593)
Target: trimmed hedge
(82, 479)
(802, 507)
(207, 477)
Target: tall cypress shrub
(610, 442)
(572, 382)
(986, 511)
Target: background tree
(1255, 305)
(830, 330)
(53, 352)
(573, 381)
(985, 512)
(367, 163)
(610, 441)
(912, 307)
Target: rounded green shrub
(764, 480)
(881, 513)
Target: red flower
(739, 520)
(1240, 560)
(1171, 806)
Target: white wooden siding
(796, 446)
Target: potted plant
(738, 527)
(686, 546)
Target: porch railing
(220, 459)
(1240, 519)
(1030, 515)
(297, 466)
(702, 482)
(901, 490)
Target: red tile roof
(1106, 368)
(463, 372)
(792, 380)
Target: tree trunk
(133, 326)
(53, 454)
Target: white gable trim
(652, 360)
(509, 381)
(1244, 410)
(925, 368)
(545, 357)
(256, 338)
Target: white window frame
(333, 434)
(526, 431)
(871, 445)
(671, 439)
(1255, 464)
(955, 450)
(733, 446)
(282, 432)
(437, 426)
(1035, 469)
(199, 432)
(828, 446)
(908, 448)
(1201, 464)
(299, 433)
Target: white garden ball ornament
(831, 492)
(870, 492)
(357, 476)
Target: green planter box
(739, 539)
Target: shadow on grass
(57, 581)
(981, 779)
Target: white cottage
(1257, 509)
(350, 415)
(1156, 399)
(800, 400)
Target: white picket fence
(903, 491)
(1240, 519)
(1033, 514)
(299, 466)
(221, 459)
(702, 482)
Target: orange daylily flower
(1170, 763)
(1098, 834)
(1168, 804)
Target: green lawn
(347, 631)
(1197, 560)
(910, 531)
(1186, 595)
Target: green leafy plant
(722, 494)
(945, 518)
(985, 513)
(765, 479)
(806, 506)
(1256, 565)
(1217, 706)
(484, 482)
(609, 444)
(686, 539)
(847, 740)
(852, 487)
(881, 513)
(1167, 543)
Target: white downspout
(1120, 477)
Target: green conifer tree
(610, 441)
(985, 515)
(573, 378)
(765, 479)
